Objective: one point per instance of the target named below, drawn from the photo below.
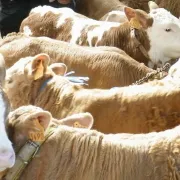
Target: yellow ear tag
(78, 125)
(135, 23)
(37, 136)
(39, 71)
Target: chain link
(158, 74)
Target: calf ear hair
(39, 65)
(81, 120)
(130, 13)
(42, 119)
(59, 68)
(138, 18)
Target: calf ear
(40, 122)
(40, 119)
(81, 120)
(39, 65)
(138, 18)
(59, 68)
(152, 5)
(130, 12)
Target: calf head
(163, 31)
(25, 120)
(30, 119)
(23, 77)
(164, 34)
(7, 156)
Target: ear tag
(135, 23)
(78, 125)
(39, 71)
(37, 136)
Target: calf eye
(168, 30)
(9, 81)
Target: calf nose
(7, 159)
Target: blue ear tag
(69, 73)
(74, 79)
(77, 79)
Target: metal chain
(158, 74)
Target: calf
(142, 37)
(105, 66)
(149, 107)
(119, 16)
(98, 8)
(7, 156)
(115, 16)
(79, 154)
